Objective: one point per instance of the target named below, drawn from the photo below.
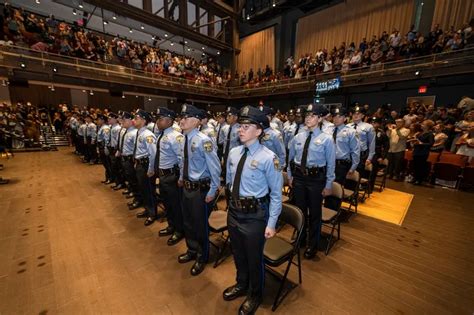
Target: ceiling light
(91, 92)
(38, 2)
(105, 22)
(114, 17)
(166, 35)
(142, 27)
(172, 44)
(81, 5)
(149, 99)
(74, 11)
(130, 31)
(123, 96)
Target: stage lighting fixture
(74, 11)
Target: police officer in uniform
(200, 176)
(231, 133)
(103, 136)
(74, 125)
(312, 159)
(81, 130)
(169, 155)
(273, 139)
(254, 184)
(220, 137)
(327, 126)
(112, 148)
(207, 128)
(145, 153)
(127, 153)
(382, 145)
(90, 138)
(366, 135)
(347, 146)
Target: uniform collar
(142, 129)
(252, 148)
(267, 129)
(131, 128)
(192, 133)
(168, 130)
(316, 130)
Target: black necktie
(87, 127)
(186, 158)
(334, 134)
(226, 153)
(304, 158)
(157, 158)
(355, 126)
(297, 129)
(238, 176)
(123, 139)
(200, 128)
(136, 144)
(218, 133)
(110, 135)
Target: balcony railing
(459, 61)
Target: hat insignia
(245, 111)
(310, 107)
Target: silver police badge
(183, 109)
(158, 111)
(245, 111)
(310, 107)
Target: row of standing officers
(254, 146)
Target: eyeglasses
(246, 127)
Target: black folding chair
(351, 190)
(330, 214)
(218, 225)
(278, 251)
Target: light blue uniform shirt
(171, 148)
(203, 160)
(274, 141)
(261, 175)
(321, 152)
(73, 123)
(347, 145)
(291, 133)
(327, 127)
(234, 136)
(121, 137)
(91, 131)
(129, 141)
(209, 131)
(146, 147)
(114, 135)
(82, 130)
(103, 135)
(366, 134)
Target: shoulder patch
(149, 139)
(180, 138)
(276, 163)
(207, 146)
(266, 137)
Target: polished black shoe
(166, 231)
(134, 205)
(233, 292)
(149, 221)
(104, 181)
(310, 253)
(108, 182)
(126, 192)
(197, 268)
(118, 187)
(142, 214)
(175, 239)
(250, 305)
(187, 257)
(130, 195)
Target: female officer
(311, 173)
(254, 183)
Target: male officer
(312, 160)
(230, 132)
(81, 130)
(327, 126)
(90, 137)
(169, 154)
(103, 136)
(289, 126)
(273, 139)
(366, 135)
(116, 175)
(207, 128)
(127, 154)
(74, 125)
(254, 184)
(299, 120)
(200, 175)
(382, 145)
(120, 135)
(221, 122)
(144, 154)
(347, 146)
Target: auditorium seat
(447, 172)
(330, 214)
(452, 158)
(351, 190)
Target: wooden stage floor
(68, 245)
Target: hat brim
(247, 120)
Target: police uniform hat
(127, 115)
(291, 112)
(232, 111)
(113, 115)
(325, 110)
(301, 110)
(192, 111)
(375, 120)
(266, 110)
(87, 115)
(316, 109)
(359, 109)
(165, 112)
(341, 111)
(252, 115)
(102, 117)
(143, 114)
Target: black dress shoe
(175, 239)
(103, 181)
(126, 192)
(250, 305)
(233, 292)
(143, 214)
(149, 221)
(310, 253)
(166, 231)
(187, 257)
(108, 182)
(118, 187)
(130, 195)
(197, 268)
(134, 205)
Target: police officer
(273, 139)
(230, 132)
(300, 112)
(382, 145)
(90, 138)
(200, 176)
(207, 128)
(327, 126)
(120, 135)
(169, 154)
(220, 137)
(112, 148)
(289, 126)
(312, 159)
(145, 153)
(347, 146)
(74, 126)
(81, 130)
(127, 153)
(254, 185)
(103, 136)
(366, 135)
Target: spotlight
(149, 99)
(38, 2)
(81, 5)
(91, 92)
(114, 17)
(142, 27)
(172, 44)
(123, 96)
(417, 72)
(105, 22)
(55, 69)
(74, 11)
(22, 65)
(166, 35)
(130, 31)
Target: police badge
(149, 139)
(245, 111)
(207, 146)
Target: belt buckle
(187, 185)
(237, 203)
